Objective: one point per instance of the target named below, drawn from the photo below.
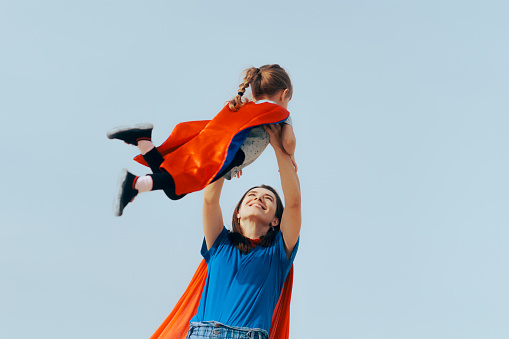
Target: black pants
(163, 180)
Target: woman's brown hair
(236, 235)
(264, 81)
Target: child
(198, 153)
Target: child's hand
(239, 174)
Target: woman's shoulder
(219, 243)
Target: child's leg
(164, 181)
(130, 185)
(145, 146)
(160, 180)
(154, 159)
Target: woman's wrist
(212, 192)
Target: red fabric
(254, 242)
(195, 151)
(280, 327)
(176, 325)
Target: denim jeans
(213, 329)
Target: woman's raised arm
(212, 215)
(292, 218)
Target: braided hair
(264, 81)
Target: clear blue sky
(401, 115)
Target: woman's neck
(253, 230)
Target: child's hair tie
(240, 93)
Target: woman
(247, 267)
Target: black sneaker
(125, 193)
(131, 134)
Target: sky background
(401, 115)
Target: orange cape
(176, 325)
(197, 151)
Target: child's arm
(289, 141)
(212, 215)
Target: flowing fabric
(197, 151)
(176, 325)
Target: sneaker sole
(140, 127)
(117, 209)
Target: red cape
(176, 325)
(196, 151)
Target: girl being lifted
(198, 153)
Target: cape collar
(265, 100)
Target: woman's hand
(275, 134)
(274, 131)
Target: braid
(237, 102)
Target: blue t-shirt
(242, 290)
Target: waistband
(214, 329)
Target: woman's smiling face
(259, 204)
